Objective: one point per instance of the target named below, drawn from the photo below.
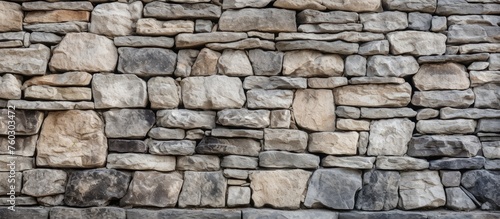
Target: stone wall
(250, 109)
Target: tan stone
(417, 43)
(116, 18)
(56, 16)
(131, 161)
(445, 76)
(309, 63)
(11, 17)
(338, 143)
(314, 109)
(421, 189)
(46, 92)
(213, 92)
(35, 58)
(234, 63)
(206, 63)
(279, 188)
(353, 125)
(372, 95)
(10, 87)
(164, 93)
(73, 138)
(150, 26)
(65, 79)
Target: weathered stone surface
(417, 43)
(473, 33)
(205, 63)
(353, 125)
(337, 5)
(131, 161)
(64, 79)
(309, 16)
(198, 162)
(239, 162)
(309, 63)
(23, 145)
(456, 199)
(72, 138)
(411, 5)
(25, 212)
(337, 143)
(153, 27)
(234, 63)
(348, 112)
(187, 119)
(355, 65)
(438, 24)
(446, 76)
(280, 119)
(119, 91)
(179, 213)
(46, 92)
(153, 189)
(269, 99)
(386, 113)
(401, 131)
(401, 163)
(450, 178)
(203, 189)
(492, 164)
(283, 159)
(51, 105)
(455, 126)
(279, 188)
(482, 184)
(376, 80)
(44, 182)
(326, 83)
(22, 163)
(384, 21)
(146, 61)
(185, 61)
(238, 196)
(483, 77)
(11, 17)
(284, 139)
(421, 189)
(74, 54)
(237, 146)
(10, 87)
(185, 40)
(479, 47)
(265, 62)
(49, 6)
(436, 99)
(494, 59)
(419, 21)
(457, 163)
(235, 4)
(144, 41)
(379, 191)
(491, 149)
(440, 145)
(487, 96)
(274, 82)
(237, 133)
(394, 214)
(305, 214)
(163, 92)
(391, 66)
(58, 28)
(81, 213)
(169, 11)
(243, 118)
(166, 134)
(36, 55)
(349, 36)
(115, 19)
(327, 183)
(251, 43)
(477, 66)
(353, 162)
(380, 47)
(213, 92)
(26, 122)
(182, 147)
(338, 47)
(56, 16)
(128, 123)
(265, 20)
(454, 58)
(125, 146)
(95, 187)
(329, 28)
(314, 110)
(373, 95)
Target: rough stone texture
(244, 118)
(153, 27)
(132, 161)
(106, 212)
(419, 21)
(284, 139)
(355, 65)
(187, 119)
(413, 185)
(417, 43)
(381, 145)
(44, 182)
(446, 76)
(379, 191)
(10, 87)
(36, 55)
(308, 63)
(115, 19)
(146, 61)
(386, 113)
(128, 123)
(338, 143)
(265, 62)
(401, 163)
(72, 138)
(283, 159)
(314, 110)
(153, 189)
(384, 21)
(487, 96)
(119, 91)
(353, 162)
(436, 99)
(11, 17)
(234, 63)
(457, 199)
(481, 184)
(373, 95)
(309, 16)
(237, 146)
(163, 93)
(266, 20)
(64, 79)
(200, 92)
(412, 5)
(203, 189)
(457, 163)
(279, 188)
(442, 145)
(169, 11)
(391, 66)
(454, 126)
(269, 99)
(365, 6)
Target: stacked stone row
(371, 105)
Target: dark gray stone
(203, 189)
(379, 192)
(127, 146)
(483, 184)
(450, 178)
(395, 214)
(146, 61)
(87, 213)
(128, 123)
(183, 214)
(283, 159)
(298, 214)
(457, 163)
(333, 188)
(95, 187)
(265, 62)
(239, 162)
(27, 122)
(169, 11)
(238, 146)
(487, 96)
(444, 145)
(24, 213)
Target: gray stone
(265, 20)
(250, 43)
(427, 113)
(143, 41)
(387, 113)
(419, 21)
(379, 191)
(441, 145)
(128, 123)
(146, 61)
(213, 92)
(379, 47)
(353, 125)
(327, 83)
(328, 183)
(365, 6)
(203, 189)
(274, 82)
(494, 59)
(12, 183)
(456, 199)
(44, 182)
(454, 126)
(234, 63)
(376, 80)
(26, 122)
(437, 99)
(115, 19)
(354, 162)
(410, 5)
(237, 133)
(186, 119)
(265, 62)
(269, 99)
(492, 164)
(236, 174)
(309, 63)
(163, 93)
(261, 35)
(303, 214)
(314, 110)
(203, 26)
(401, 163)
(153, 189)
(132, 161)
(482, 184)
(49, 6)
(491, 150)
(348, 112)
(471, 113)
(450, 178)
(394, 214)
(355, 65)
(473, 33)
(83, 213)
(479, 47)
(21, 201)
(169, 11)
(186, 40)
(10, 87)
(51, 105)
(237, 146)
(125, 145)
(384, 21)
(443, 76)
(64, 79)
(198, 163)
(401, 131)
(285, 139)
(45, 38)
(195, 134)
(238, 196)
(119, 91)
(235, 4)
(457, 163)
(187, 213)
(309, 16)
(205, 63)
(483, 77)
(25, 213)
(182, 147)
(438, 24)
(22, 163)
(59, 28)
(280, 119)
(166, 134)
(23, 145)
(239, 162)
(244, 118)
(373, 95)
(421, 189)
(37, 55)
(151, 26)
(449, 7)
(396, 66)
(290, 193)
(337, 143)
(46, 92)
(337, 47)
(487, 96)
(283, 159)
(95, 187)
(185, 60)
(417, 43)
(454, 58)
(329, 28)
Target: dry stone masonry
(250, 109)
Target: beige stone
(314, 109)
(10, 87)
(11, 17)
(115, 19)
(206, 63)
(46, 92)
(353, 125)
(56, 16)
(36, 58)
(372, 95)
(234, 63)
(421, 189)
(417, 43)
(445, 76)
(131, 161)
(213, 92)
(338, 143)
(150, 26)
(65, 79)
(309, 63)
(265, 20)
(478, 78)
(186, 40)
(340, 5)
(400, 132)
(73, 138)
(164, 93)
